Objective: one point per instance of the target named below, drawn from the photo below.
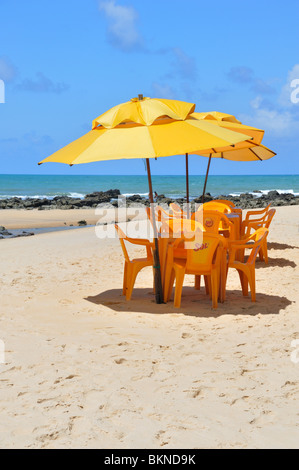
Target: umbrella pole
(157, 268)
(207, 174)
(187, 184)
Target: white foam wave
(264, 192)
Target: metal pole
(157, 268)
(187, 183)
(207, 174)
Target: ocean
(49, 186)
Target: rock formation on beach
(245, 201)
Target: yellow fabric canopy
(248, 153)
(144, 111)
(227, 121)
(163, 138)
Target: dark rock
(82, 222)
(272, 195)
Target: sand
(84, 368)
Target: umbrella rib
(255, 154)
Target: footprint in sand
(120, 361)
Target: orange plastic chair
(254, 224)
(214, 221)
(177, 211)
(218, 206)
(225, 201)
(254, 216)
(247, 270)
(235, 210)
(204, 259)
(134, 266)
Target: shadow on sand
(281, 246)
(278, 262)
(194, 303)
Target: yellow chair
(134, 266)
(218, 206)
(225, 201)
(177, 211)
(250, 225)
(214, 222)
(235, 210)
(201, 259)
(253, 216)
(246, 270)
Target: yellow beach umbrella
(146, 128)
(245, 151)
(228, 121)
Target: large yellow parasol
(245, 151)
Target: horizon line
(144, 174)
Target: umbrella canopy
(144, 111)
(243, 152)
(163, 138)
(228, 121)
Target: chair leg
(251, 279)
(132, 274)
(125, 278)
(265, 251)
(215, 287)
(197, 282)
(207, 285)
(168, 282)
(180, 274)
(244, 282)
(261, 254)
(170, 287)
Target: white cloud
(272, 121)
(279, 117)
(122, 25)
(184, 65)
(42, 84)
(7, 69)
(163, 91)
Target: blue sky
(66, 62)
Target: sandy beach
(84, 368)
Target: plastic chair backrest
(176, 210)
(162, 214)
(213, 221)
(225, 201)
(201, 256)
(217, 206)
(175, 228)
(269, 217)
(258, 237)
(122, 236)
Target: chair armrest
(139, 241)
